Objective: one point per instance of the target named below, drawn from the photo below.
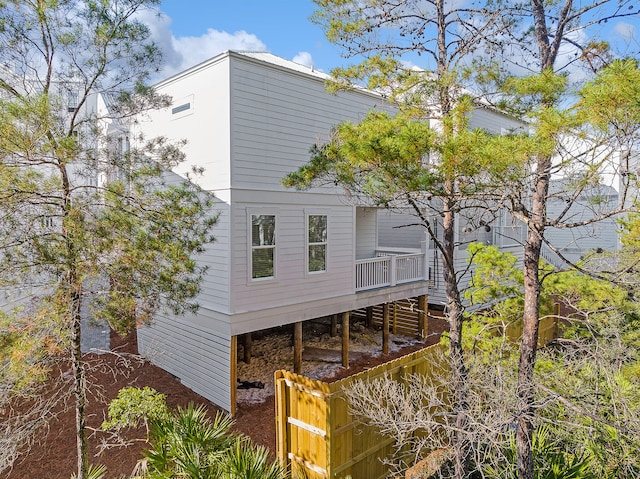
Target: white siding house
(280, 256)
(283, 256)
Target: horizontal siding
(366, 233)
(277, 117)
(494, 122)
(575, 242)
(214, 289)
(198, 356)
(205, 126)
(292, 284)
(215, 285)
(393, 231)
(17, 299)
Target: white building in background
(97, 130)
(283, 256)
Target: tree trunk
(79, 386)
(530, 327)
(456, 356)
(74, 291)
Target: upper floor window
(263, 246)
(73, 98)
(182, 107)
(316, 243)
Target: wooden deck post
(345, 339)
(369, 318)
(297, 348)
(248, 342)
(233, 376)
(423, 319)
(395, 326)
(334, 325)
(385, 328)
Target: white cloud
(184, 52)
(303, 58)
(194, 50)
(625, 30)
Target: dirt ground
(53, 455)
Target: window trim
(308, 244)
(250, 247)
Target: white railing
(389, 270)
(552, 257)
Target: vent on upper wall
(182, 107)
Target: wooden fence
(318, 437)
(405, 316)
(548, 330)
(316, 434)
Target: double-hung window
(316, 243)
(263, 246)
(73, 98)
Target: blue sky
(191, 31)
(199, 29)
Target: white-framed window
(263, 246)
(73, 98)
(316, 243)
(509, 231)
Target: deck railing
(389, 270)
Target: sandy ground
(274, 351)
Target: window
(316, 243)
(179, 109)
(182, 107)
(263, 246)
(73, 98)
(509, 231)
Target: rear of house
(283, 256)
(280, 256)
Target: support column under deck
(297, 347)
(385, 328)
(345, 339)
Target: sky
(191, 31)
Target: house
(89, 116)
(284, 256)
(280, 256)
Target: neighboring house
(95, 129)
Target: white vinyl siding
(494, 122)
(316, 243)
(206, 127)
(200, 356)
(293, 284)
(277, 115)
(366, 232)
(400, 230)
(248, 124)
(575, 242)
